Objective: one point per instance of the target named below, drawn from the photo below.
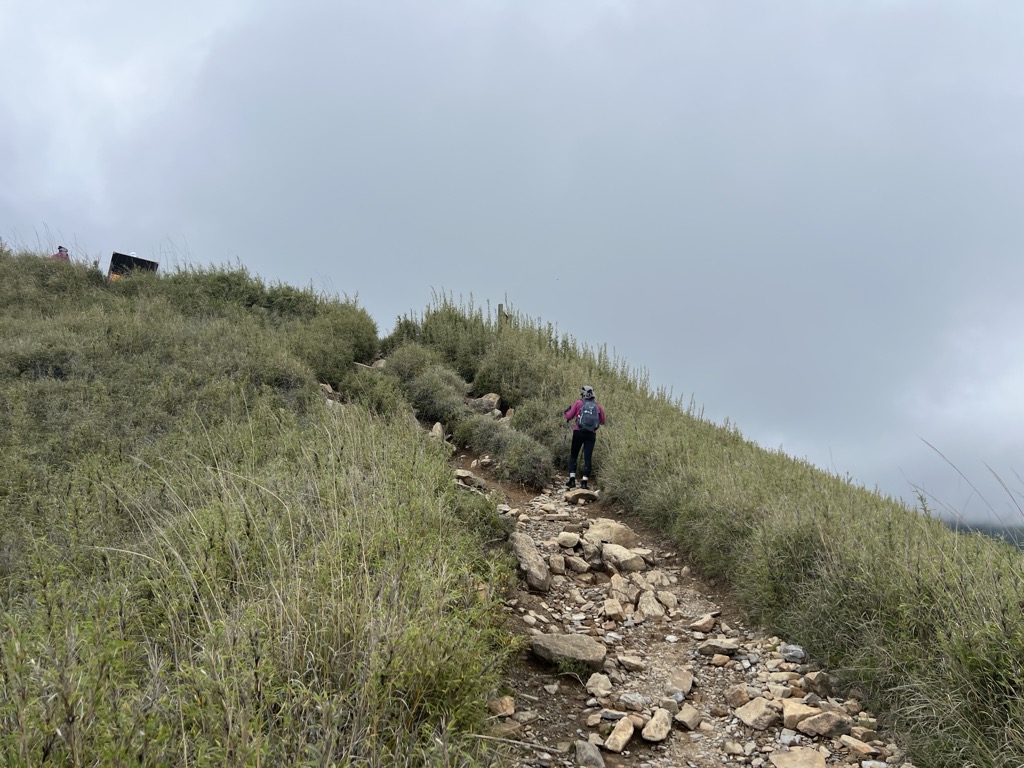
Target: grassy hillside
(927, 621)
(202, 561)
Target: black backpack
(589, 418)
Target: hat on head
(587, 393)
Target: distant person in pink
(61, 254)
(588, 416)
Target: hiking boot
(572, 483)
(583, 483)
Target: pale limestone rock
(577, 564)
(623, 590)
(620, 735)
(737, 695)
(667, 599)
(705, 623)
(783, 677)
(718, 646)
(599, 685)
(828, 724)
(817, 682)
(556, 564)
(613, 609)
(622, 559)
(794, 712)
(632, 663)
(646, 554)
(641, 583)
(555, 648)
(659, 726)
(603, 529)
(689, 717)
(538, 575)
(798, 757)
(758, 714)
(649, 606)
(466, 477)
(568, 540)
(680, 681)
(658, 578)
(857, 747)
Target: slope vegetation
(202, 560)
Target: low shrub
(512, 367)
(409, 360)
(520, 458)
(438, 394)
(381, 394)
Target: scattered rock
(700, 691)
(798, 757)
(659, 726)
(588, 755)
(572, 648)
(620, 735)
(538, 576)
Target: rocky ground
(630, 660)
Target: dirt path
(732, 715)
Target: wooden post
(501, 316)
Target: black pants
(581, 438)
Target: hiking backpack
(589, 418)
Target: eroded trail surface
(632, 661)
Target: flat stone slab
(555, 648)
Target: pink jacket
(573, 412)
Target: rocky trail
(630, 660)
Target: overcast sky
(806, 215)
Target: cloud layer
(804, 214)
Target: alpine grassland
(204, 560)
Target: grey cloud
(787, 206)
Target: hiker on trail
(61, 254)
(588, 416)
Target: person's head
(62, 249)
(587, 392)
